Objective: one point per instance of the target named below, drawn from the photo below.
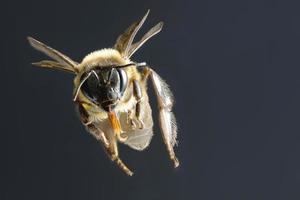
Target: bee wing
(153, 31)
(125, 40)
(63, 62)
(52, 65)
(124, 43)
(166, 117)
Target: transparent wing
(124, 43)
(125, 40)
(63, 62)
(153, 31)
(53, 65)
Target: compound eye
(124, 80)
(90, 87)
(114, 79)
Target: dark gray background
(234, 68)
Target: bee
(110, 94)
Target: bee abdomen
(139, 139)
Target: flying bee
(110, 94)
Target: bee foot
(88, 123)
(175, 160)
(131, 121)
(122, 137)
(141, 124)
(133, 124)
(120, 163)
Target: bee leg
(112, 151)
(98, 134)
(87, 123)
(137, 92)
(166, 117)
(130, 120)
(145, 73)
(90, 126)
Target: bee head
(104, 86)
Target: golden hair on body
(110, 94)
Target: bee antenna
(95, 74)
(81, 83)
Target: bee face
(104, 86)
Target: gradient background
(234, 68)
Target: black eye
(114, 79)
(91, 87)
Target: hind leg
(166, 116)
